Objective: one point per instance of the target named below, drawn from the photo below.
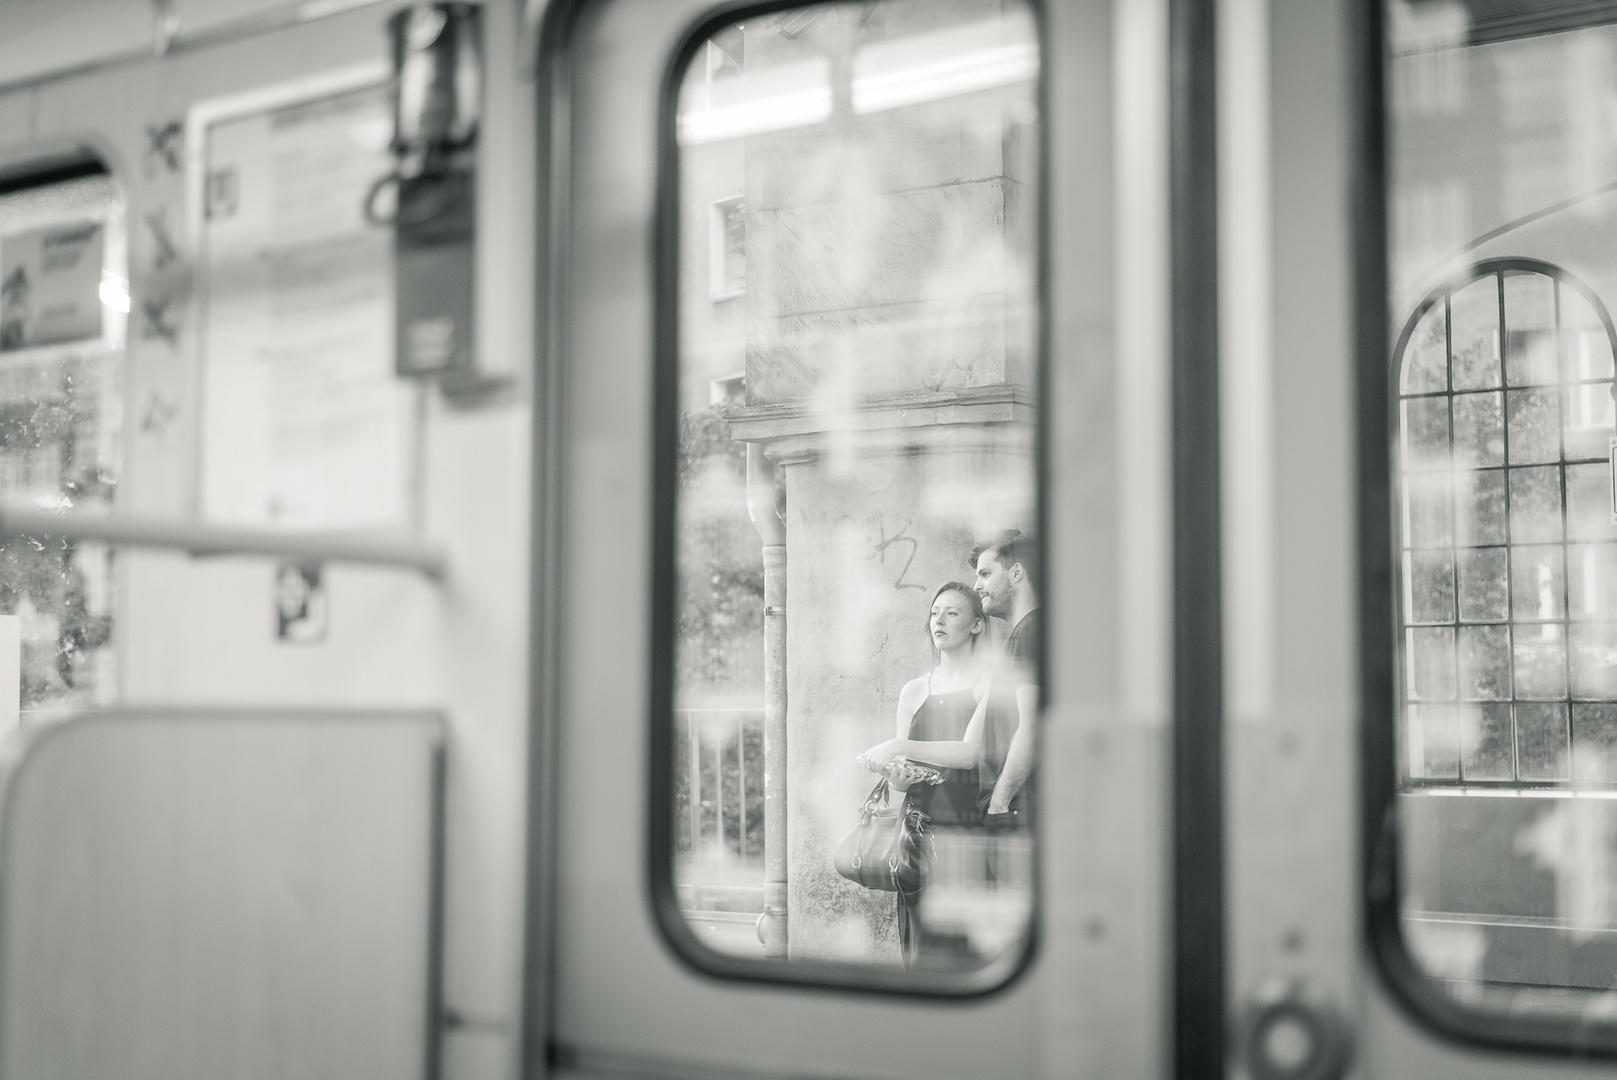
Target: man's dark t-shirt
(1018, 669)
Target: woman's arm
(951, 754)
(909, 699)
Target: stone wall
(866, 547)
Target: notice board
(304, 424)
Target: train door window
(1493, 881)
(848, 556)
(64, 303)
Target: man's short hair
(1011, 547)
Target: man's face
(994, 585)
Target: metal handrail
(198, 539)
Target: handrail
(198, 539)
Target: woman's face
(954, 623)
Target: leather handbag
(890, 846)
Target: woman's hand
(876, 758)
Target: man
(1006, 581)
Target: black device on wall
(437, 63)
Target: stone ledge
(998, 404)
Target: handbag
(890, 847)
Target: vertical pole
(764, 498)
(741, 785)
(1198, 723)
(772, 930)
(718, 793)
(694, 766)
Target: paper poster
(50, 285)
(305, 424)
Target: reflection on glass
(857, 578)
(1485, 741)
(1535, 429)
(1431, 586)
(1480, 507)
(1428, 367)
(64, 304)
(1474, 331)
(1594, 734)
(1479, 429)
(1588, 496)
(1535, 505)
(1483, 585)
(1529, 329)
(1484, 663)
(1503, 267)
(1432, 739)
(1541, 741)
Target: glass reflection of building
(858, 342)
(1503, 221)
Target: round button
(1288, 1037)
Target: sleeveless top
(944, 718)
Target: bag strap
(875, 800)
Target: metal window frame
(1491, 1023)
(1498, 268)
(670, 921)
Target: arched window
(1508, 532)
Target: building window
(1508, 601)
(727, 248)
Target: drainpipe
(766, 498)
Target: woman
(940, 721)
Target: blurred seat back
(203, 895)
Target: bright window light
(944, 63)
(114, 291)
(768, 99)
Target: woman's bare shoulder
(915, 688)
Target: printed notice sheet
(304, 423)
(50, 285)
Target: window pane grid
(1504, 588)
(1567, 384)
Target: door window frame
(670, 921)
(1376, 385)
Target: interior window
(64, 305)
(854, 569)
(1502, 267)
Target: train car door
(619, 993)
(1417, 500)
